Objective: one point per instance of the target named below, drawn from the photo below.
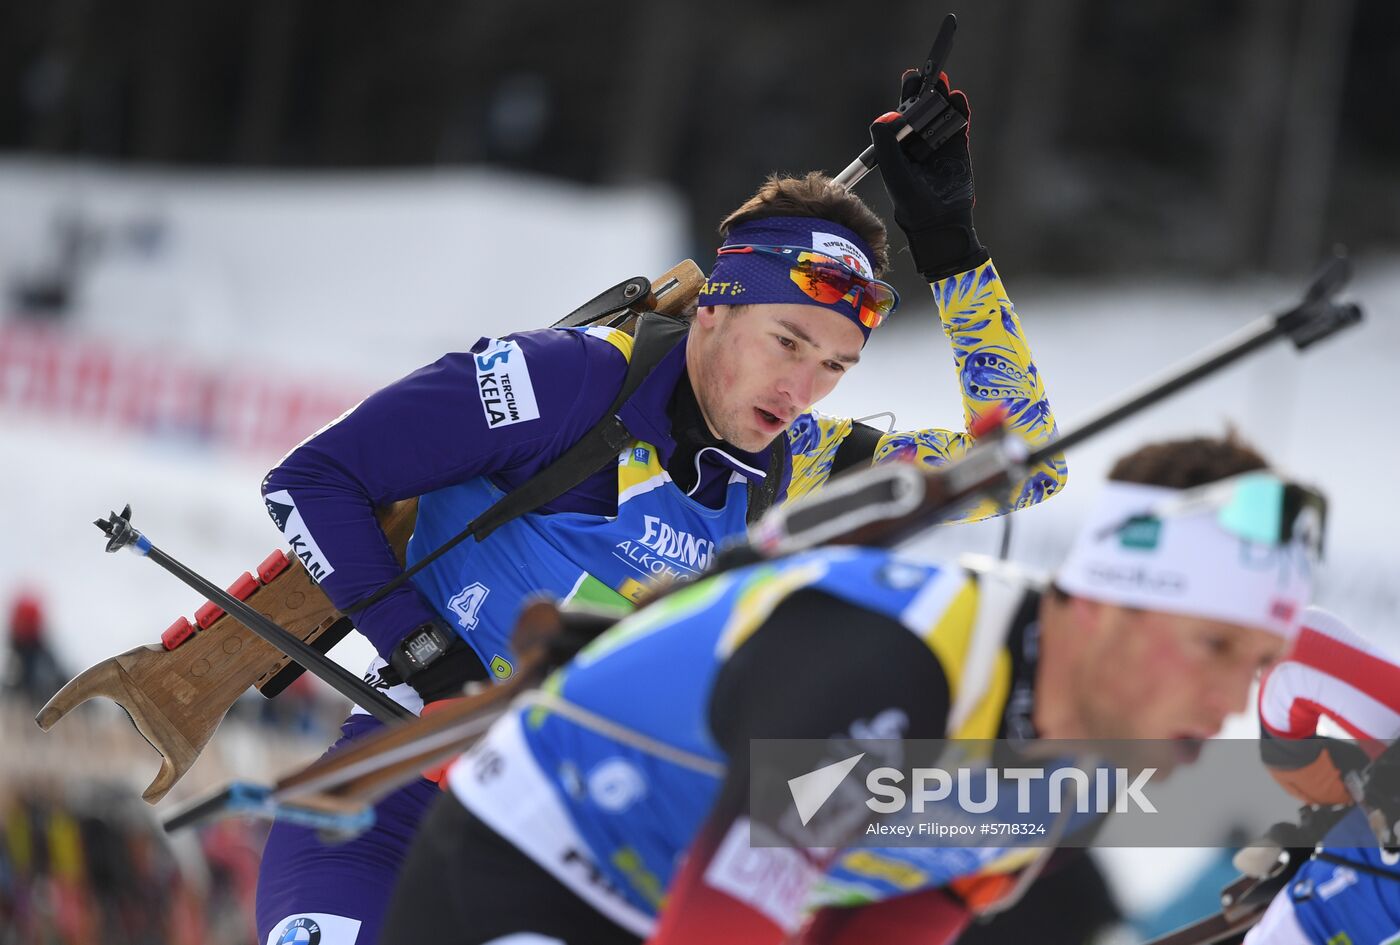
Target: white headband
(1184, 563)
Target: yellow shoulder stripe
(985, 719)
(951, 636)
(616, 337)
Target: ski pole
(256, 800)
(926, 113)
(1313, 319)
(886, 505)
(121, 534)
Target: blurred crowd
(83, 860)
(32, 674)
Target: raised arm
(932, 194)
(995, 368)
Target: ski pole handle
(121, 534)
(927, 113)
(855, 171)
(930, 116)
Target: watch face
(423, 647)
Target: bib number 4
(467, 604)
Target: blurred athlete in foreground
(613, 806)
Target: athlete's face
(755, 368)
(1148, 674)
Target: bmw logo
(301, 931)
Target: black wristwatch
(420, 649)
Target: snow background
(355, 280)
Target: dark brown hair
(815, 195)
(1184, 464)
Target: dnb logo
(302, 930)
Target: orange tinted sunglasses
(828, 280)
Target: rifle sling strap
(857, 449)
(622, 296)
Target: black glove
(1314, 770)
(931, 189)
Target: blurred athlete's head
(1187, 579)
(792, 298)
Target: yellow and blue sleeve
(994, 369)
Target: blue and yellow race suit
(606, 776)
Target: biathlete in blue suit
(793, 297)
